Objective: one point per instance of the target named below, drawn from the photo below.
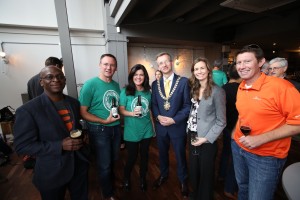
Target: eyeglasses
(109, 65)
(273, 68)
(166, 62)
(51, 77)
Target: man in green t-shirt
(218, 75)
(96, 98)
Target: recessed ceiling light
(274, 43)
(274, 51)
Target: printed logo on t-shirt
(145, 105)
(257, 98)
(107, 99)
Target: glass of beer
(245, 127)
(75, 134)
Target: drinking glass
(193, 140)
(76, 134)
(245, 127)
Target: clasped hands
(165, 121)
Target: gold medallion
(167, 105)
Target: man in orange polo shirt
(269, 112)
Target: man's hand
(111, 119)
(165, 121)
(70, 144)
(251, 142)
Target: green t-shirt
(219, 77)
(137, 128)
(97, 95)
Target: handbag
(6, 114)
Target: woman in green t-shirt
(138, 126)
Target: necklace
(167, 104)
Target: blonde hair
(162, 54)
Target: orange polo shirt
(270, 103)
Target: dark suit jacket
(34, 88)
(180, 107)
(295, 83)
(39, 131)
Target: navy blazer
(39, 131)
(34, 87)
(180, 107)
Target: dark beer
(139, 105)
(245, 130)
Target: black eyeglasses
(253, 46)
(51, 77)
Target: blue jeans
(257, 176)
(106, 143)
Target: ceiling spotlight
(274, 44)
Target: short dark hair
(232, 72)
(218, 63)
(53, 61)
(109, 55)
(252, 48)
(159, 72)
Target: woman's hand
(200, 141)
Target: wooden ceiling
(265, 23)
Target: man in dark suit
(42, 129)
(170, 107)
(34, 88)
